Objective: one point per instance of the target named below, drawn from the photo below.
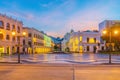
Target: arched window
(7, 37)
(18, 38)
(1, 36)
(29, 43)
(13, 38)
(13, 27)
(8, 26)
(18, 29)
(23, 42)
(29, 35)
(13, 49)
(1, 24)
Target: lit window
(76, 41)
(1, 49)
(91, 40)
(81, 48)
(80, 38)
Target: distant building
(8, 42)
(36, 41)
(65, 41)
(107, 24)
(86, 41)
(57, 43)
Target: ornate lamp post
(110, 41)
(23, 35)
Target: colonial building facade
(113, 27)
(107, 24)
(87, 41)
(8, 42)
(36, 41)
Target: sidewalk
(59, 72)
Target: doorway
(8, 50)
(81, 49)
(94, 49)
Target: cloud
(89, 18)
(62, 17)
(52, 21)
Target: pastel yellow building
(36, 41)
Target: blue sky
(56, 17)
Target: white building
(107, 23)
(83, 42)
(65, 41)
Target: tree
(56, 47)
(67, 49)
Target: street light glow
(0, 32)
(104, 32)
(115, 32)
(13, 33)
(24, 33)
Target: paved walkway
(59, 72)
(62, 58)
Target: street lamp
(23, 35)
(110, 41)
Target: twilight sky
(56, 17)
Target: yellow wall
(1, 50)
(42, 50)
(81, 49)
